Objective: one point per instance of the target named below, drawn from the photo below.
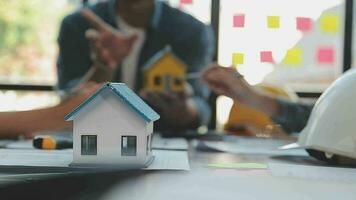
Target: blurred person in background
(116, 38)
(227, 81)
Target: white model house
(113, 127)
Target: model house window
(148, 144)
(128, 145)
(157, 80)
(151, 138)
(89, 145)
(178, 81)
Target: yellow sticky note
(237, 58)
(238, 165)
(293, 57)
(273, 21)
(329, 23)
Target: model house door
(167, 83)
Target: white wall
(109, 118)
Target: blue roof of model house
(127, 95)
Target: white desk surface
(212, 184)
(206, 183)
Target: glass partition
(297, 44)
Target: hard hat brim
(291, 146)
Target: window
(28, 39)
(296, 43)
(151, 138)
(148, 144)
(26, 100)
(178, 81)
(28, 49)
(157, 80)
(28, 46)
(300, 47)
(89, 145)
(128, 145)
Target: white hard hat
(330, 133)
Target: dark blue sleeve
(292, 116)
(194, 43)
(200, 58)
(73, 60)
(198, 53)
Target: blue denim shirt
(292, 116)
(191, 40)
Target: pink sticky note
(325, 55)
(239, 20)
(266, 56)
(304, 24)
(186, 1)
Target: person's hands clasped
(110, 46)
(177, 110)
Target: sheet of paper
(164, 159)
(169, 160)
(239, 21)
(21, 144)
(266, 56)
(35, 158)
(4, 143)
(251, 146)
(325, 55)
(186, 1)
(237, 58)
(169, 143)
(304, 24)
(329, 23)
(6, 179)
(238, 165)
(273, 22)
(293, 57)
(314, 172)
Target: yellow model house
(165, 72)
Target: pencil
(197, 75)
(193, 75)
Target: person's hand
(249, 130)
(52, 118)
(227, 81)
(177, 110)
(109, 45)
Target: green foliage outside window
(28, 32)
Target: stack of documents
(244, 145)
(159, 142)
(169, 154)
